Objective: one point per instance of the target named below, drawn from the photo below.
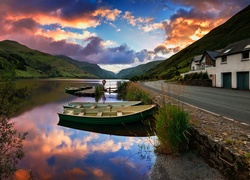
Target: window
(224, 59)
(245, 55)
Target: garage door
(227, 80)
(243, 80)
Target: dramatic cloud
(145, 24)
(162, 49)
(197, 19)
(91, 30)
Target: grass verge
(172, 129)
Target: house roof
(212, 54)
(197, 58)
(236, 47)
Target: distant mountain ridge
(90, 68)
(35, 64)
(235, 29)
(31, 63)
(138, 70)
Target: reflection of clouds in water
(51, 148)
(122, 160)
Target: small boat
(104, 104)
(101, 115)
(72, 90)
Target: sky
(115, 34)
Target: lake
(70, 151)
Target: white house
(228, 68)
(202, 63)
(195, 64)
(233, 66)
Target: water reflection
(137, 129)
(58, 152)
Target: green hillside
(138, 70)
(90, 68)
(35, 64)
(235, 29)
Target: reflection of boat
(72, 90)
(137, 129)
(105, 104)
(116, 115)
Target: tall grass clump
(98, 92)
(172, 129)
(122, 86)
(134, 92)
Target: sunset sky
(115, 34)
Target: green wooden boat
(72, 90)
(104, 104)
(115, 115)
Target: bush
(196, 76)
(172, 129)
(122, 86)
(11, 141)
(134, 92)
(99, 91)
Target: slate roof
(197, 58)
(235, 48)
(213, 54)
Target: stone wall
(209, 136)
(223, 143)
(196, 82)
(231, 164)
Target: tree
(11, 147)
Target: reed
(172, 129)
(134, 92)
(99, 91)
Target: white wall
(234, 64)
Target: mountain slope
(235, 29)
(90, 68)
(33, 64)
(138, 70)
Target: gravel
(183, 167)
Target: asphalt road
(233, 104)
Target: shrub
(134, 92)
(11, 141)
(98, 92)
(196, 76)
(122, 86)
(172, 129)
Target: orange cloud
(130, 18)
(59, 34)
(151, 27)
(181, 31)
(107, 13)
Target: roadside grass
(172, 124)
(172, 129)
(171, 121)
(134, 92)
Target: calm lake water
(69, 151)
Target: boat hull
(137, 129)
(108, 117)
